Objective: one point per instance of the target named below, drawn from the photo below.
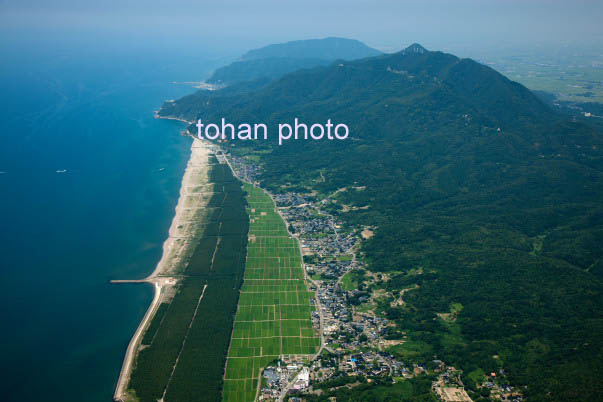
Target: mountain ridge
(330, 48)
(467, 174)
(273, 61)
(433, 70)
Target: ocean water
(63, 236)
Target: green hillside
(469, 176)
(270, 68)
(274, 61)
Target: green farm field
(274, 312)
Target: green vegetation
(187, 341)
(339, 382)
(409, 351)
(274, 61)
(151, 331)
(345, 257)
(353, 280)
(273, 316)
(270, 68)
(463, 170)
(477, 376)
(414, 389)
(348, 283)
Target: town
(354, 347)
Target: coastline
(157, 116)
(176, 248)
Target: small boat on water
(62, 171)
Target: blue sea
(89, 112)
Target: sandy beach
(186, 228)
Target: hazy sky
(236, 25)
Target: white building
(303, 379)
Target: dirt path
(190, 324)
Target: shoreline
(157, 116)
(175, 250)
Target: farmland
(274, 313)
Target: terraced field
(273, 316)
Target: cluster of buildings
(353, 341)
(343, 328)
(449, 387)
(317, 230)
(290, 200)
(293, 375)
(499, 389)
(243, 169)
(372, 364)
(352, 338)
(333, 308)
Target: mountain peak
(414, 48)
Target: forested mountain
(327, 49)
(468, 176)
(274, 61)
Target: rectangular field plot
(274, 312)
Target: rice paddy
(274, 312)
